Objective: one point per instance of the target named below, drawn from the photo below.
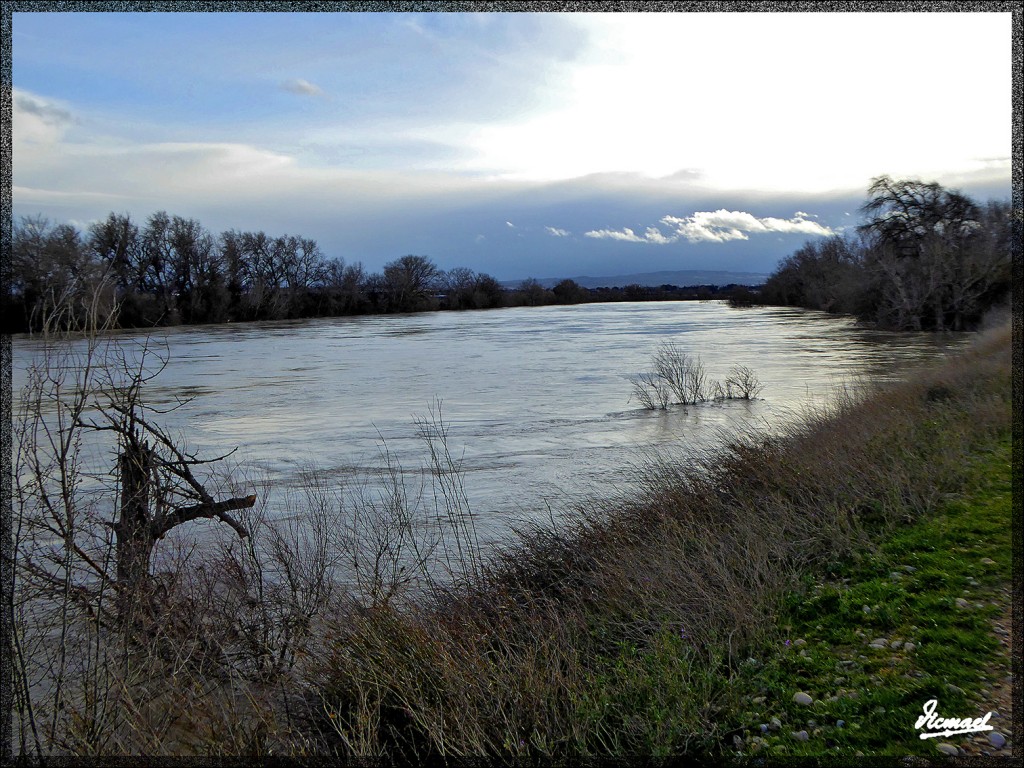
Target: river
(538, 401)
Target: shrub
(742, 383)
(680, 378)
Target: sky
(518, 144)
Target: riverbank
(629, 632)
(624, 628)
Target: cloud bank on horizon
(715, 227)
(488, 140)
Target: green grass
(905, 590)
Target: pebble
(997, 740)
(909, 647)
(988, 561)
(840, 723)
(775, 724)
(764, 727)
(895, 643)
(961, 603)
(895, 576)
(947, 749)
(866, 609)
(759, 699)
(955, 689)
(802, 698)
(909, 568)
(800, 735)
(799, 642)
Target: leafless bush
(743, 383)
(652, 391)
(458, 537)
(684, 375)
(680, 378)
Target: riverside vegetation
(623, 630)
(926, 258)
(172, 270)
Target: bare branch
(216, 509)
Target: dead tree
(147, 511)
(156, 479)
(158, 492)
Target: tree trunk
(134, 535)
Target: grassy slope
(906, 590)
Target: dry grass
(616, 633)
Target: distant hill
(681, 278)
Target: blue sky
(514, 144)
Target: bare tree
(408, 283)
(157, 480)
(83, 583)
(54, 274)
(904, 212)
(459, 285)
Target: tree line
(926, 258)
(171, 270)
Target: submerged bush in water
(680, 378)
(742, 383)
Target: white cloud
(714, 227)
(627, 235)
(796, 224)
(654, 235)
(721, 226)
(557, 232)
(302, 87)
(510, 225)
